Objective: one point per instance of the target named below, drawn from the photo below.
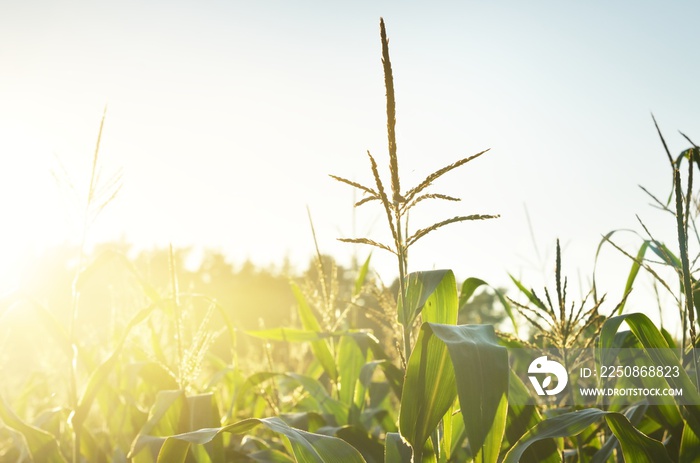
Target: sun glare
(32, 205)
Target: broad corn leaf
(482, 370)
(350, 362)
(636, 446)
(174, 413)
(429, 389)
(419, 287)
(451, 360)
(442, 306)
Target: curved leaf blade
(442, 306)
(471, 284)
(568, 424)
(419, 287)
(482, 374)
(396, 450)
(41, 445)
(456, 360)
(307, 447)
(431, 386)
(636, 446)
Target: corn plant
(397, 203)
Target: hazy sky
(226, 117)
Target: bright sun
(32, 205)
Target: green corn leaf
(482, 384)
(394, 375)
(419, 287)
(665, 254)
(396, 450)
(671, 259)
(641, 326)
(635, 414)
(361, 276)
(480, 380)
(442, 305)
(310, 323)
(364, 382)
(457, 437)
(203, 413)
(430, 383)
(167, 415)
(306, 421)
(270, 456)
(307, 447)
(351, 358)
(634, 271)
(690, 446)
(470, 285)
(391, 372)
(636, 446)
(529, 294)
(609, 342)
(41, 445)
(447, 431)
(668, 337)
(659, 352)
(174, 413)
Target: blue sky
(226, 117)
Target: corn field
(178, 380)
